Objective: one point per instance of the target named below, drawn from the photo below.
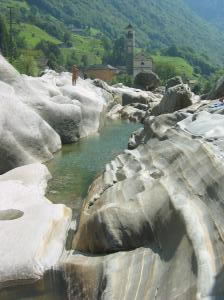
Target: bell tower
(130, 48)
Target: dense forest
(210, 10)
(159, 23)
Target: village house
(135, 62)
(103, 72)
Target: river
(73, 169)
(75, 166)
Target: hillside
(79, 27)
(159, 23)
(210, 10)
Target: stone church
(136, 63)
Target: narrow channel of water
(75, 166)
(73, 170)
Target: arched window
(142, 63)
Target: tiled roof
(101, 67)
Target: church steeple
(130, 48)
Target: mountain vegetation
(211, 11)
(179, 34)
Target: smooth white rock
(34, 242)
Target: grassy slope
(158, 23)
(33, 35)
(180, 64)
(82, 45)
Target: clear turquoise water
(75, 166)
(73, 170)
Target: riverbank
(154, 211)
(76, 166)
(37, 116)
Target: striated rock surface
(132, 104)
(38, 114)
(151, 226)
(25, 136)
(33, 231)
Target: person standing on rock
(75, 72)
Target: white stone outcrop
(33, 231)
(25, 136)
(159, 210)
(38, 114)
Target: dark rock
(173, 82)
(147, 81)
(129, 97)
(176, 98)
(140, 106)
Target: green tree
(72, 59)
(52, 52)
(67, 39)
(26, 65)
(4, 37)
(124, 78)
(166, 70)
(85, 60)
(117, 56)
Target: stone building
(142, 64)
(130, 48)
(135, 63)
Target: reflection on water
(73, 169)
(75, 166)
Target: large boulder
(218, 90)
(173, 82)
(131, 95)
(148, 81)
(176, 98)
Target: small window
(130, 34)
(142, 63)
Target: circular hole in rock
(10, 214)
